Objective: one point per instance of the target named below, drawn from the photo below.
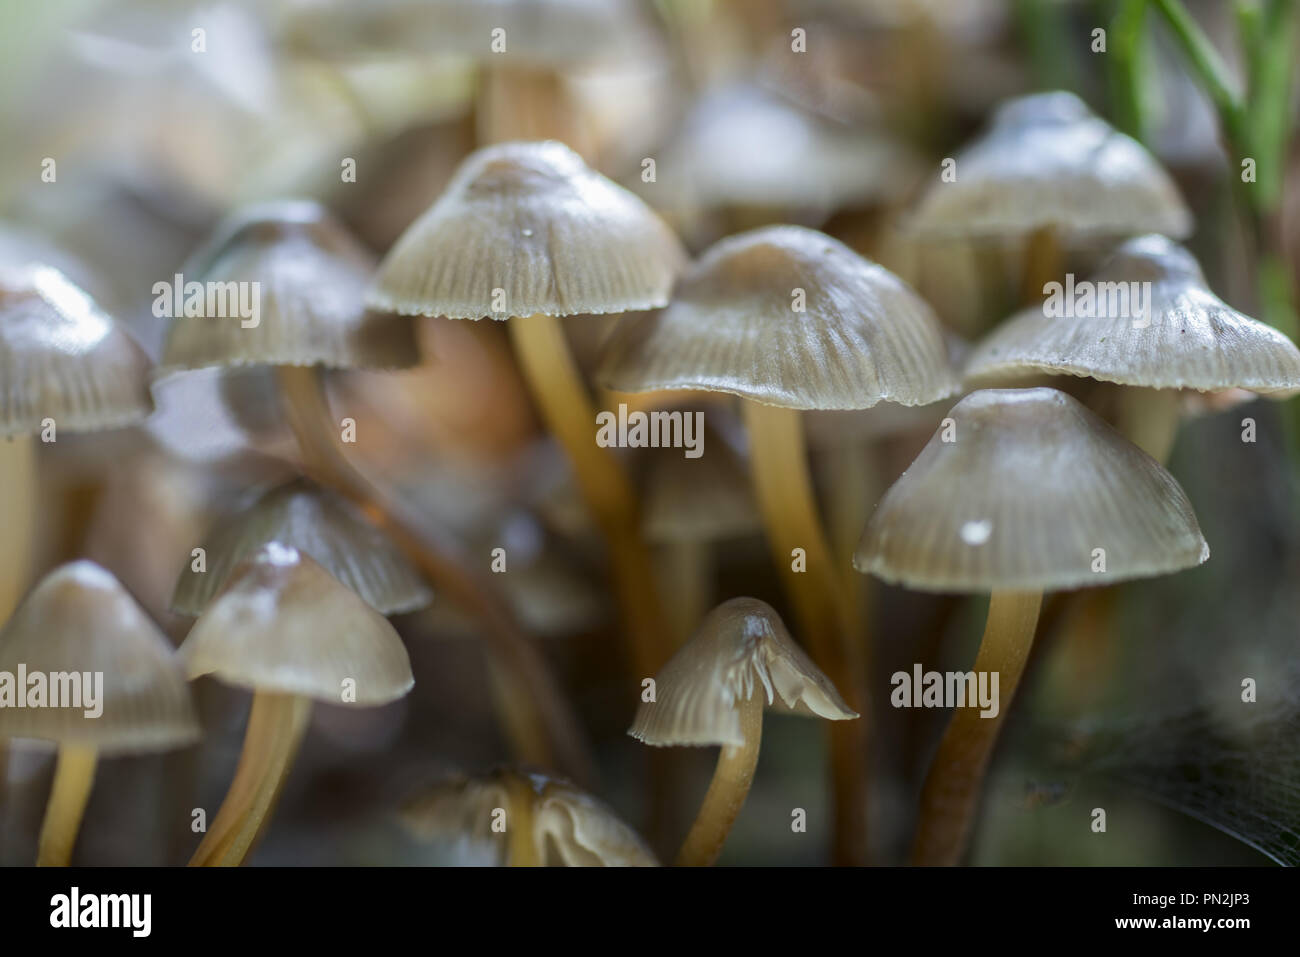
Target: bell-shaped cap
(1026, 489)
(1149, 320)
(1049, 161)
(318, 522)
(741, 649)
(307, 278)
(571, 828)
(110, 678)
(283, 624)
(789, 317)
(63, 358)
(526, 228)
(705, 499)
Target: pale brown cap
(735, 325)
(63, 358)
(283, 624)
(1049, 161)
(741, 649)
(1033, 492)
(1182, 337)
(79, 623)
(527, 228)
(311, 277)
(571, 828)
(320, 523)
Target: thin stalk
(522, 839)
(74, 776)
(276, 725)
(779, 466)
(565, 406)
(17, 531)
(1149, 419)
(1126, 61)
(686, 573)
(1044, 262)
(532, 709)
(952, 787)
(727, 791)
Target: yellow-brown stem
(276, 725)
(542, 728)
(727, 791)
(519, 824)
(522, 103)
(779, 465)
(952, 787)
(557, 386)
(685, 573)
(74, 776)
(1044, 262)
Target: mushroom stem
(74, 776)
(519, 103)
(952, 787)
(1044, 262)
(276, 724)
(685, 570)
(727, 791)
(783, 485)
(565, 405)
(527, 697)
(523, 842)
(1149, 419)
(17, 518)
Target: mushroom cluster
(427, 429)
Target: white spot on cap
(976, 533)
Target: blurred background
(156, 140)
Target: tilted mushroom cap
(80, 621)
(1031, 485)
(283, 624)
(527, 228)
(1047, 160)
(320, 523)
(1182, 337)
(311, 278)
(703, 499)
(570, 827)
(741, 649)
(62, 357)
(862, 336)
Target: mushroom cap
(312, 278)
(1048, 160)
(284, 624)
(740, 142)
(741, 649)
(532, 224)
(1032, 483)
(62, 357)
(862, 337)
(1185, 338)
(704, 499)
(79, 618)
(571, 828)
(318, 522)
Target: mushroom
(713, 692)
(85, 637)
(790, 319)
(1179, 337)
(545, 820)
(1019, 492)
(1046, 169)
(319, 523)
(526, 232)
(286, 629)
(63, 362)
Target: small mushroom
(1154, 327)
(713, 692)
(84, 636)
(539, 820)
(319, 523)
(286, 629)
(1022, 491)
(527, 232)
